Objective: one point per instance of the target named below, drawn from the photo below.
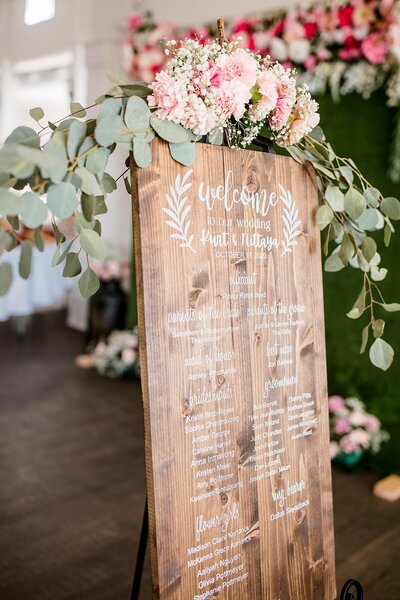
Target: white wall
(200, 11)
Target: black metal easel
(346, 593)
(141, 553)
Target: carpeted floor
(72, 484)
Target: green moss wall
(363, 130)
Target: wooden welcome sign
(234, 378)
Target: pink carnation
(375, 48)
(232, 98)
(239, 66)
(286, 98)
(335, 403)
(305, 117)
(268, 88)
(341, 426)
(197, 117)
(167, 97)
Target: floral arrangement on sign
(118, 355)
(218, 93)
(353, 431)
(342, 46)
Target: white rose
(299, 50)
(279, 49)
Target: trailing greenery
(66, 161)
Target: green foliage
(71, 169)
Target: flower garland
(218, 93)
(341, 47)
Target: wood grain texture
(234, 377)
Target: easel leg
(141, 553)
(346, 594)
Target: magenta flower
(375, 48)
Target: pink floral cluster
(353, 31)
(111, 268)
(118, 355)
(207, 86)
(353, 430)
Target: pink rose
(335, 403)
(375, 48)
(341, 426)
(311, 63)
(167, 97)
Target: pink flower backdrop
(339, 47)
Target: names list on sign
(232, 348)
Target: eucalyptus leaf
(216, 136)
(378, 274)
(60, 237)
(346, 251)
(137, 115)
(6, 276)
(184, 153)
(88, 204)
(96, 161)
(391, 208)
(38, 239)
(72, 266)
(372, 196)
(25, 259)
(89, 184)
(347, 174)
(25, 136)
(33, 210)
(392, 307)
(10, 204)
(369, 219)
(54, 160)
(141, 152)
(108, 130)
(92, 243)
(364, 339)
(62, 199)
(324, 216)
(333, 263)
(169, 131)
(139, 88)
(354, 203)
(108, 184)
(381, 354)
(378, 327)
(61, 254)
(36, 113)
(387, 234)
(88, 283)
(76, 135)
(358, 306)
(335, 198)
(88, 143)
(77, 110)
(369, 248)
(109, 108)
(16, 161)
